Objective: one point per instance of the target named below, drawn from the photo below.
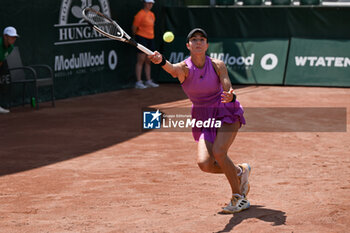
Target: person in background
(143, 29)
(7, 42)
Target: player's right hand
(156, 57)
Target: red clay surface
(86, 166)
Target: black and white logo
(269, 61)
(71, 28)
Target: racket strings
(104, 24)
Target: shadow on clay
(275, 217)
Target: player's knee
(204, 165)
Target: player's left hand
(227, 96)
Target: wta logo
(71, 28)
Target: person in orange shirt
(143, 29)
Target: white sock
(240, 171)
(237, 195)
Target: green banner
(318, 62)
(84, 62)
(248, 61)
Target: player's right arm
(178, 70)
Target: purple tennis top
(203, 88)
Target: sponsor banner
(71, 27)
(84, 61)
(273, 119)
(248, 61)
(318, 62)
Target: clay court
(86, 166)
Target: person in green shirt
(6, 46)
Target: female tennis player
(206, 82)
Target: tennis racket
(109, 28)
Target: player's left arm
(228, 94)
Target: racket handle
(139, 46)
(144, 49)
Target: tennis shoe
(140, 85)
(2, 110)
(150, 83)
(237, 204)
(243, 178)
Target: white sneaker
(140, 85)
(243, 178)
(150, 83)
(2, 110)
(237, 204)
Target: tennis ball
(168, 37)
